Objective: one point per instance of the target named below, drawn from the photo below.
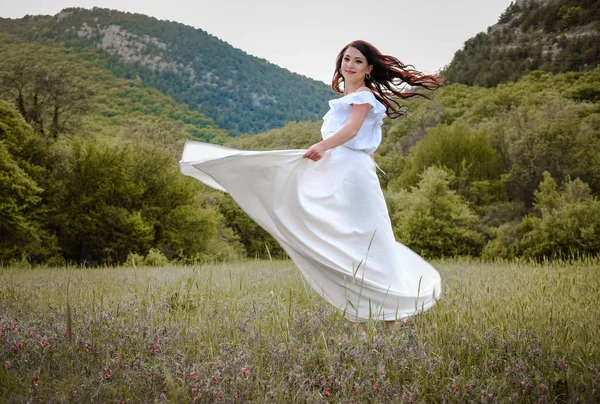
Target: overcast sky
(305, 36)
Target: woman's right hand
(315, 152)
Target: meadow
(254, 332)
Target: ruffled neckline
(378, 107)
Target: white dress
(329, 216)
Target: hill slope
(550, 35)
(239, 92)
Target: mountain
(551, 35)
(240, 92)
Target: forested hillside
(551, 35)
(241, 93)
(88, 165)
(89, 150)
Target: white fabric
(368, 137)
(331, 218)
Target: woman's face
(354, 66)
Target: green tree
(434, 220)
(49, 98)
(569, 225)
(466, 153)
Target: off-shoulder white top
(368, 137)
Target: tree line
(510, 171)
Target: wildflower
(330, 377)
(455, 388)
(35, 380)
(214, 379)
(562, 366)
(245, 372)
(382, 372)
(19, 344)
(374, 345)
(326, 392)
(218, 364)
(194, 390)
(108, 374)
(65, 333)
(355, 392)
(468, 386)
(7, 366)
(490, 395)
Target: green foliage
(125, 198)
(568, 225)
(556, 36)
(50, 99)
(155, 258)
(110, 187)
(117, 102)
(18, 193)
(21, 233)
(238, 91)
(294, 135)
(467, 154)
(433, 220)
(256, 241)
(553, 137)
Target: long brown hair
(387, 75)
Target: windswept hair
(387, 77)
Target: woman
(325, 205)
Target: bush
(154, 258)
(433, 220)
(567, 225)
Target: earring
(368, 76)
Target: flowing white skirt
(331, 219)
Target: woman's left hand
(315, 152)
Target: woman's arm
(348, 131)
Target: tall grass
(254, 332)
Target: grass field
(253, 332)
